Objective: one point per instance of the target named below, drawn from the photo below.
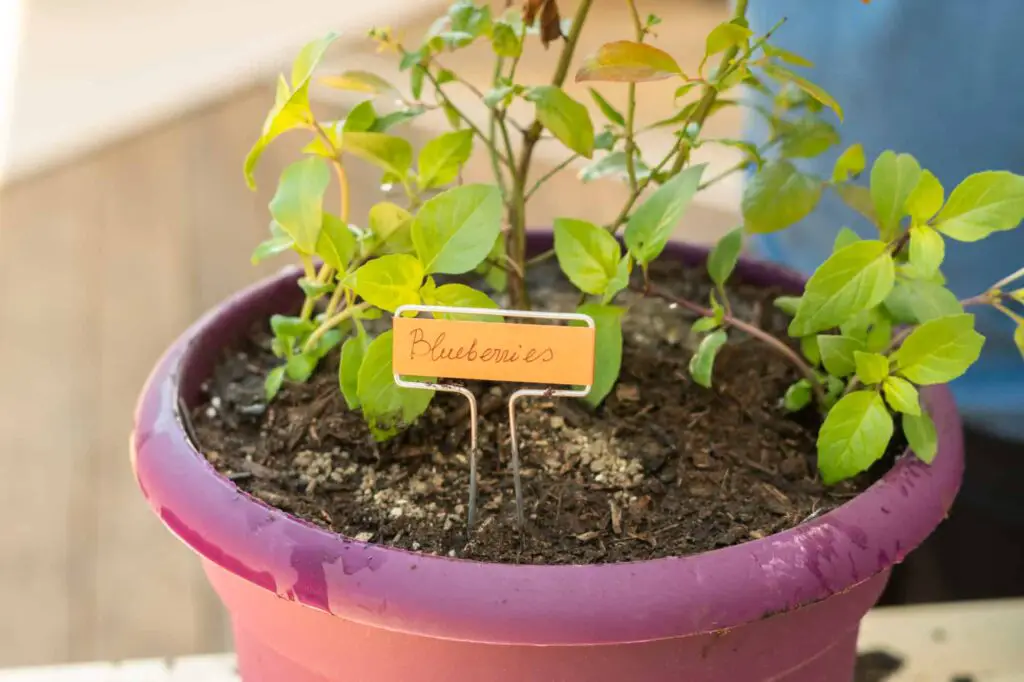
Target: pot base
(810, 644)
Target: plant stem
(466, 119)
(630, 150)
(550, 174)
(499, 176)
(330, 323)
(516, 249)
(1008, 279)
(775, 344)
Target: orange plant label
(493, 351)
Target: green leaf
(390, 224)
(498, 95)
(588, 255)
(567, 119)
(360, 119)
(918, 301)
(388, 152)
(787, 304)
(893, 178)
(786, 56)
(850, 164)
(798, 396)
(777, 196)
(396, 118)
(725, 36)
(705, 324)
(607, 350)
(416, 78)
(625, 61)
(1018, 338)
(621, 279)
(387, 406)
(460, 296)
(844, 238)
(703, 361)
(854, 436)
(651, 225)
(352, 354)
(610, 112)
(442, 157)
(808, 137)
(871, 367)
(614, 163)
(987, 202)
(360, 81)
(390, 281)
(290, 111)
(855, 278)
(921, 435)
(879, 336)
(810, 350)
(455, 230)
(927, 249)
(278, 243)
(336, 244)
(723, 258)
(940, 350)
(298, 204)
(300, 367)
(837, 354)
(815, 91)
(272, 384)
(926, 198)
(505, 40)
(901, 395)
(308, 59)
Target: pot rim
(467, 600)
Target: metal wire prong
(473, 449)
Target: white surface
(937, 642)
(91, 71)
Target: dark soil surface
(663, 468)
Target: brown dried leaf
(550, 19)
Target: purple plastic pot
(308, 605)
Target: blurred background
(124, 215)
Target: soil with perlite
(663, 468)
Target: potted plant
(727, 501)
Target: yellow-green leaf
(850, 163)
(939, 350)
(626, 61)
(388, 152)
(336, 244)
(360, 81)
(459, 296)
(723, 37)
(308, 59)
(854, 436)
(816, 91)
(1018, 338)
(455, 230)
(610, 112)
(871, 367)
(837, 354)
(564, 117)
(297, 205)
(390, 225)
(607, 350)
(853, 279)
(926, 198)
(893, 178)
(927, 250)
(921, 435)
(703, 361)
(777, 196)
(987, 202)
(442, 157)
(649, 228)
(901, 395)
(390, 281)
(387, 407)
(724, 256)
(588, 255)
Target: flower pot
(308, 605)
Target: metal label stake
(489, 351)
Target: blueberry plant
(874, 323)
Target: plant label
(495, 351)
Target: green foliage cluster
(874, 323)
